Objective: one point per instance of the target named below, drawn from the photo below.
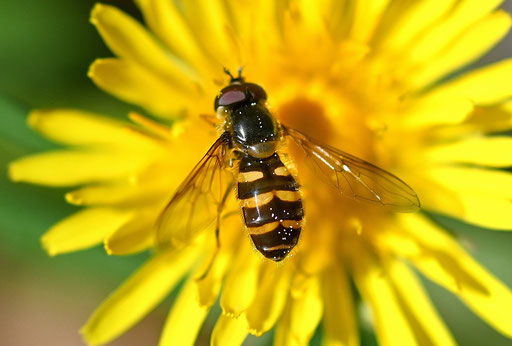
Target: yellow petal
(313, 14)
(213, 31)
(483, 120)
(281, 336)
(137, 296)
(67, 167)
(154, 128)
(141, 190)
(507, 106)
(482, 86)
(390, 322)
(243, 277)
(428, 327)
(486, 211)
(165, 20)
(418, 17)
(210, 285)
(473, 204)
(481, 196)
(267, 17)
(437, 111)
(134, 236)
(129, 39)
(75, 127)
(84, 229)
(492, 119)
(446, 263)
(305, 312)
(270, 298)
(134, 84)
(367, 15)
(211, 276)
(445, 31)
(339, 316)
(486, 151)
(229, 331)
(473, 180)
(185, 318)
(472, 44)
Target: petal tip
(231, 313)
(90, 71)
(51, 251)
(34, 119)
(88, 336)
(72, 198)
(95, 12)
(504, 15)
(13, 172)
(83, 330)
(107, 248)
(255, 332)
(92, 68)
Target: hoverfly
(268, 194)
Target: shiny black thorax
(253, 129)
(252, 124)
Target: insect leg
(217, 230)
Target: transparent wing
(195, 205)
(356, 178)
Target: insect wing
(356, 178)
(195, 204)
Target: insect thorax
(253, 129)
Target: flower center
(333, 119)
(307, 116)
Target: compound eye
(230, 97)
(256, 91)
(239, 93)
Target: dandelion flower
(378, 79)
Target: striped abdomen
(271, 205)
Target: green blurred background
(45, 50)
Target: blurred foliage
(46, 48)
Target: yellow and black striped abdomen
(271, 205)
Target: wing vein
(364, 181)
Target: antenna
(238, 79)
